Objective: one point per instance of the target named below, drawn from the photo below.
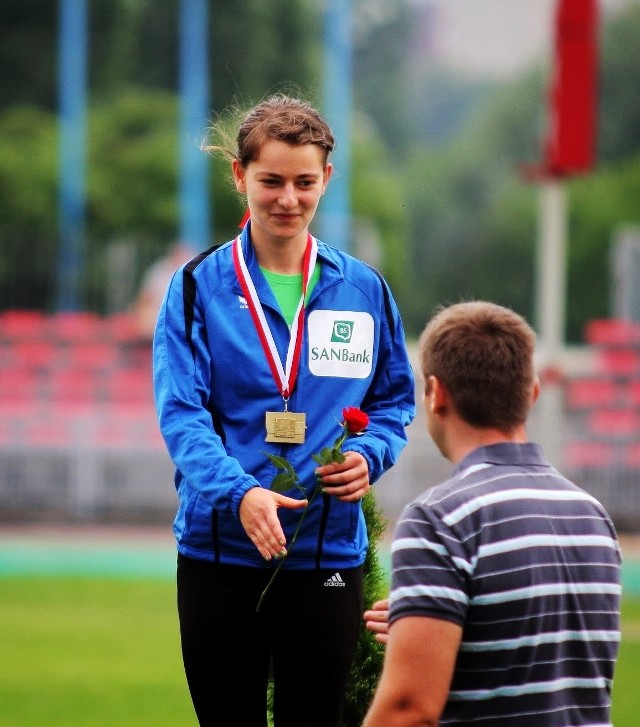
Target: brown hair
(279, 117)
(483, 354)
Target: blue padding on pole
(194, 108)
(72, 81)
(335, 211)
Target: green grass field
(104, 652)
(87, 652)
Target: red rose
(355, 419)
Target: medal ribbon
(285, 378)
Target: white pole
(552, 271)
(551, 307)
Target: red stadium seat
(631, 393)
(73, 385)
(632, 455)
(92, 355)
(129, 385)
(33, 354)
(18, 384)
(23, 324)
(615, 423)
(612, 332)
(588, 454)
(621, 362)
(121, 328)
(47, 433)
(76, 326)
(592, 392)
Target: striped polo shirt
(529, 565)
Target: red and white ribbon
(285, 378)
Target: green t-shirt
(287, 289)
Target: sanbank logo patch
(342, 331)
(341, 343)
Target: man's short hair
(483, 354)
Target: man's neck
(465, 438)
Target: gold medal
(287, 427)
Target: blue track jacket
(213, 386)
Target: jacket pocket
(197, 532)
(342, 527)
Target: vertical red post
(571, 138)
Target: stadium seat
(121, 328)
(75, 326)
(632, 455)
(612, 332)
(73, 385)
(589, 393)
(91, 355)
(134, 385)
(621, 363)
(23, 324)
(47, 433)
(615, 423)
(33, 354)
(631, 393)
(588, 454)
(18, 384)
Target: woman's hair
(279, 117)
(483, 354)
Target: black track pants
(307, 627)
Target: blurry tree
(131, 191)
(28, 189)
(135, 42)
(27, 53)
(132, 128)
(453, 195)
(619, 117)
(411, 103)
(132, 165)
(378, 197)
(435, 154)
(598, 205)
(474, 221)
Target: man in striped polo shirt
(505, 596)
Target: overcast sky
(495, 37)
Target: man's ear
(436, 395)
(535, 390)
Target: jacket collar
(332, 269)
(504, 453)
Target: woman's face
(283, 187)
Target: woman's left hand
(347, 481)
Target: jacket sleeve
(181, 376)
(390, 400)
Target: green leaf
(317, 458)
(282, 482)
(325, 453)
(337, 456)
(280, 462)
